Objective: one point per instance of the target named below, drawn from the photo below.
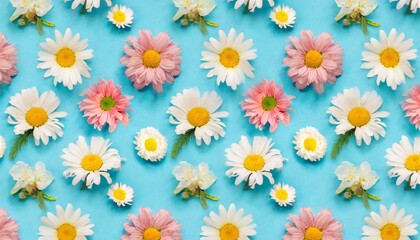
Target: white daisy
(251, 4)
(352, 112)
(65, 58)
(230, 224)
(2, 146)
(191, 111)
(121, 16)
(88, 162)
(121, 194)
(228, 58)
(250, 163)
(88, 4)
(151, 144)
(283, 16)
(413, 5)
(310, 144)
(31, 112)
(67, 224)
(389, 225)
(404, 158)
(283, 194)
(388, 58)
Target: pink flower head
(267, 103)
(8, 227)
(8, 60)
(313, 60)
(310, 227)
(151, 60)
(147, 226)
(104, 103)
(412, 106)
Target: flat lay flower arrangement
(209, 119)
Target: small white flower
(365, 7)
(351, 175)
(2, 146)
(190, 176)
(283, 16)
(206, 177)
(26, 176)
(310, 144)
(251, 4)
(283, 194)
(121, 194)
(41, 7)
(151, 144)
(121, 16)
(413, 4)
(203, 7)
(88, 4)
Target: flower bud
(21, 22)
(348, 195)
(347, 22)
(185, 22)
(185, 194)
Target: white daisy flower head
(228, 224)
(404, 158)
(250, 5)
(357, 177)
(65, 58)
(412, 5)
(390, 224)
(2, 146)
(250, 163)
(39, 7)
(228, 58)
(121, 194)
(363, 7)
(151, 144)
(27, 177)
(283, 16)
(310, 144)
(121, 16)
(88, 5)
(66, 224)
(283, 194)
(90, 162)
(202, 7)
(191, 177)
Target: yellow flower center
(359, 116)
(119, 16)
(66, 231)
(150, 144)
(282, 16)
(36, 116)
(92, 162)
(254, 162)
(390, 58)
(412, 162)
(198, 116)
(151, 59)
(310, 144)
(229, 232)
(390, 232)
(151, 233)
(65, 57)
(313, 233)
(229, 58)
(313, 59)
(119, 194)
(282, 194)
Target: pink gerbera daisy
(104, 103)
(412, 106)
(8, 227)
(151, 60)
(313, 60)
(310, 227)
(267, 103)
(8, 60)
(147, 226)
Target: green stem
(83, 8)
(372, 23)
(210, 23)
(46, 23)
(407, 186)
(84, 184)
(211, 197)
(246, 186)
(19, 142)
(246, 8)
(373, 197)
(408, 10)
(48, 197)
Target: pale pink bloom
(8, 227)
(8, 60)
(267, 103)
(105, 104)
(313, 60)
(161, 224)
(151, 60)
(412, 105)
(307, 226)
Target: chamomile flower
(412, 5)
(121, 16)
(2, 146)
(121, 194)
(310, 144)
(283, 194)
(283, 16)
(151, 144)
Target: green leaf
(211, 197)
(363, 23)
(341, 141)
(203, 199)
(48, 197)
(365, 199)
(39, 26)
(41, 202)
(19, 142)
(203, 26)
(373, 197)
(180, 142)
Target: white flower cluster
(355, 178)
(30, 180)
(193, 179)
(34, 7)
(193, 7)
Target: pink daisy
(313, 60)
(151, 60)
(267, 103)
(104, 103)
(310, 227)
(145, 226)
(8, 227)
(412, 106)
(8, 60)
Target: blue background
(153, 183)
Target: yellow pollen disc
(151, 59)
(151, 233)
(313, 59)
(282, 16)
(119, 194)
(310, 144)
(229, 58)
(119, 16)
(390, 58)
(313, 233)
(229, 232)
(390, 232)
(198, 116)
(412, 162)
(36, 117)
(282, 194)
(92, 162)
(150, 144)
(66, 231)
(254, 162)
(359, 116)
(65, 57)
